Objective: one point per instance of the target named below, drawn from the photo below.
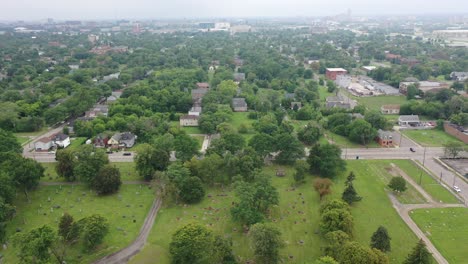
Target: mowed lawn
(297, 217)
(22, 140)
(430, 137)
(127, 172)
(125, 212)
(447, 230)
(375, 102)
(428, 183)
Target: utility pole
(401, 136)
(424, 159)
(440, 181)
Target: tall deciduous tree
(192, 243)
(452, 149)
(289, 147)
(325, 160)
(8, 142)
(266, 242)
(322, 186)
(65, 163)
(381, 240)
(94, 228)
(185, 146)
(107, 181)
(254, 200)
(419, 255)
(25, 173)
(150, 159)
(34, 245)
(335, 216)
(397, 184)
(326, 260)
(89, 161)
(353, 252)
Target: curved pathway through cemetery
(124, 255)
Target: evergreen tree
(349, 194)
(419, 255)
(381, 240)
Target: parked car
(412, 150)
(127, 154)
(456, 188)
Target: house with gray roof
(239, 105)
(409, 120)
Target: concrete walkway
(404, 210)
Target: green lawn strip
(375, 208)
(76, 142)
(430, 137)
(344, 142)
(192, 130)
(428, 183)
(375, 102)
(131, 204)
(22, 140)
(199, 140)
(127, 172)
(35, 133)
(323, 93)
(446, 228)
(296, 220)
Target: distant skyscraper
(136, 28)
(50, 20)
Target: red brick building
(331, 73)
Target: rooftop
(336, 69)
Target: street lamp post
(424, 159)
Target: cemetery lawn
(429, 184)
(298, 221)
(446, 228)
(127, 172)
(430, 137)
(132, 203)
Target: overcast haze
(142, 9)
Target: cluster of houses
(193, 115)
(117, 141)
(58, 140)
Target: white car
(456, 188)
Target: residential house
(122, 140)
(111, 76)
(43, 144)
(111, 99)
(189, 120)
(239, 105)
(459, 76)
(424, 86)
(61, 140)
(390, 109)
(100, 141)
(409, 120)
(296, 105)
(203, 85)
(239, 76)
(195, 110)
(340, 102)
(332, 73)
(384, 138)
(197, 94)
(98, 109)
(291, 96)
(369, 68)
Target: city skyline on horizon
(30, 10)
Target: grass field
(344, 142)
(447, 230)
(323, 93)
(125, 212)
(375, 102)
(76, 142)
(36, 133)
(127, 172)
(432, 187)
(296, 216)
(22, 140)
(430, 137)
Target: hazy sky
(105, 9)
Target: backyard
(430, 137)
(125, 212)
(446, 228)
(296, 216)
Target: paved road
(124, 255)
(423, 155)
